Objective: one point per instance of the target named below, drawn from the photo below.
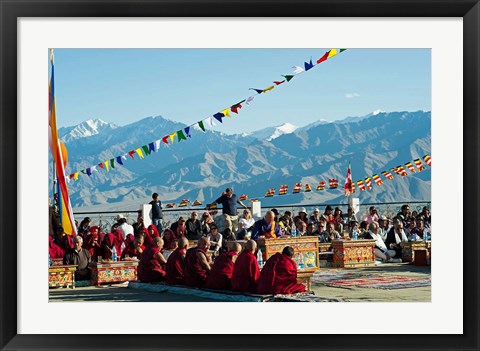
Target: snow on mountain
(85, 129)
(203, 167)
(271, 133)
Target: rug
(369, 280)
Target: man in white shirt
(383, 227)
(381, 250)
(124, 227)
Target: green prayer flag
(180, 135)
(288, 78)
(146, 149)
(112, 163)
(200, 124)
(341, 50)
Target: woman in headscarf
(54, 250)
(92, 243)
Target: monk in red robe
(92, 243)
(135, 248)
(222, 270)
(152, 263)
(107, 245)
(197, 264)
(54, 250)
(169, 238)
(246, 272)
(176, 264)
(279, 275)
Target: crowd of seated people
(166, 256)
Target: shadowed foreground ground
(119, 293)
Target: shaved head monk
(176, 264)
(197, 264)
(246, 272)
(279, 275)
(266, 227)
(152, 263)
(221, 274)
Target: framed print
(410, 70)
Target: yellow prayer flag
(226, 112)
(139, 152)
(75, 176)
(106, 165)
(269, 88)
(172, 136)
(332, 53)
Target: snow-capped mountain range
(201, 168)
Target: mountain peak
(85, 129)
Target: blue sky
(186, 85)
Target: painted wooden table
(113, 272)
(61, 276)
(353, 253)
(409, 248)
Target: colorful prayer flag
(361, 185)
(297, 70)
(410, 167)
(428, 160)
(348, 187)
(196, 203)
(269, 88)
(139, 152)
(243, 197)
(278, 82)
(226, 112)
(324, 57)
(259, 91)
(170, 205)
(184, 203)
(368, 182)
(333, 183)
(288, 77)
(308, 65)
(307, 188)
(270, 192)
(200, 124)
(297, 187)
(377, 179)
(283, 190)
(401, 171)
(387, 175)
(419, 165)
(180, 136)
(65, 208)
(332, 53)
(218, 116)
(321, 185)
(172, 136)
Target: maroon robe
(195, 274)
(245, 273)
(279, 276)
(150, 269)
(221, 274)
(176, 268)
(169, 239)
(107, 245)
(54, 250)
(67, 242)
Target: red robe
(176, 268)
(131, 251)
(168, 239)
(279, 276)
(245, 273)
(92, 245)
(221, 274)
(107, 245)
(195, 274)
(54, 250)
(150, 269)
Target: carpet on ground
(369, 280)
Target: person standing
(229, 202)
(157, 214)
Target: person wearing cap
(229, 202)
(124, 227)
(302, 216)
(315, 217)
(205, 222)
(328, 214)
(383, 227)
(372, 215)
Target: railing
(105, 219)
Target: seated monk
(169, 239)
(134, 248)
(66, 242)
(266, 227)
(176, 264)
(107, 245)
(92, 243)
(279, 275)
(152, 264)
(54, 250)
(246, 272)
(119, 241)
(197, 264)
(222, 270)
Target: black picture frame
(12, 10)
